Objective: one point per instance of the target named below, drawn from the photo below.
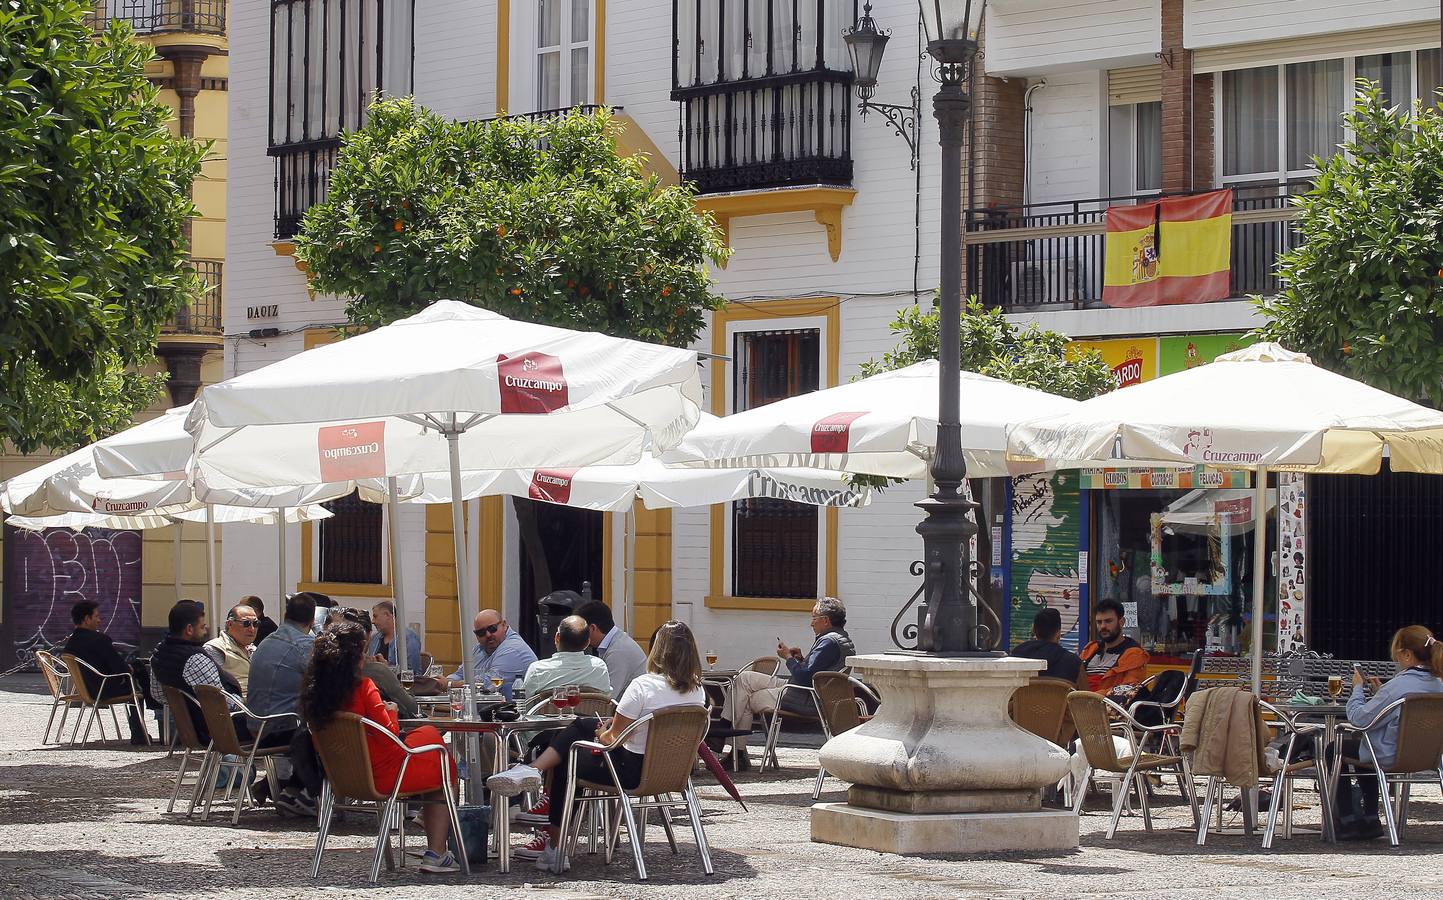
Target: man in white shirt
(570, 664)
(623, 656)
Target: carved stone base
(889, 832)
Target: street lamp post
(948, 615)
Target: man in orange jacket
(1113, 659)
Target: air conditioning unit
(1044, 281)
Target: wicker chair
(1040, 706)
(179, 704)
(215, 706)
(94, 702)
(62, 697)
(1419, 759)
(671, 741)
(844, 703)
(591, 703)
(1090, 713)
(346, 758)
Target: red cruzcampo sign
(531, 383)
(352, 451)
(833, 433)
(551, 485)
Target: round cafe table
(1325, 742)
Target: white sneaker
(439, 865)
(546, 862)
(515, 780)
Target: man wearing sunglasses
(232, 649)
(499, 651)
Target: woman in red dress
(333, 684)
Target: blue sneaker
(432, 863)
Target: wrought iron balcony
(1051, 255)
(202, 314)
(162, 16)
(302, 179)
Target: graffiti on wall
(51, 570)
(1046, 537)
(1292, 556)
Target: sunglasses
(247, 623)
(489, 629)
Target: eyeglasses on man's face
(487, 630)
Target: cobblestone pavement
(91, 823)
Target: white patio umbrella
(1263, 408)
(882, 425)
(451, 388)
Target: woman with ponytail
(1419, 657)
(334, 684)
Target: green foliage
(94, 195)
(540, 221)
(1361, 292)
(993, 346)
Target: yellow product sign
(1132, 360)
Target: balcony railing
(1051, 255)
(161, 16)
(201, 315)
(302, 179)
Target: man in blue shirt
(499, 651)
(278, 666)
(384, 646)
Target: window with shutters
(563, 54)
(351, 543)
(774, 542)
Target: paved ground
(91, 823)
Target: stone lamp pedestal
(942, 769)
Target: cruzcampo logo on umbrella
(551, 485)
(352, 451)
(833, 434)
(532, 383)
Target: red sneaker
(533, 850)
(538, 814)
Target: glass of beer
(496, 683)
(711, 659)
(408, 678)
(1335, 686)
(458, 702)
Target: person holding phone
(1419, 657)
(756, 692)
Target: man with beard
(1113, 660)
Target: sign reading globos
(532, 383)
(551, 485)
(833, 433)
(352, 451)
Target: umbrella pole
(281, 556)
(628, 597)
(398, 581)
(1260, 575)
(463, 580)
(210, 564)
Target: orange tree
(540, 221)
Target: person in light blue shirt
(1419, 656)
(384, 646)
(499, 651)
(570, 664)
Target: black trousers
(588, 766)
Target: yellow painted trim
(491, 554)
(216, 43)
(766, 604)
(606, 565)
(598, 47)
(829, 309)
(503, 56)
(632, 139)
(825, 203)
(284, 248)
(347, 589)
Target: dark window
(774, 542)
(766, 92)
(154, 16)
(351, 542)
(329, 58)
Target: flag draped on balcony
(1175, 250)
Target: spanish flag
(1176, 250)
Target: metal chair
(780, 713)
(671, 741)
(178, 702)
(215, 707)
(96, 701)
(1290, 770)
(346, 757)
(1420, 751)
(63, 698)
(844, 703)
(1090, 713)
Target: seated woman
(333, 684)
(1419, 657)
(673, 678)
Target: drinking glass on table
(496, 683)
(573, 697)
(1335, 686)
(408, 678)
(433, 671)
(458, 702)
(711, 658)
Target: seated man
(623, 656)
(384, 646)
(499, 652)
(383, 675)
(1116, 665)
(180, 661)
(278, 666)
(91, 645)
(266, 626)
(232, 649)
(754, 692)
(570, 664)
(1046, 645)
